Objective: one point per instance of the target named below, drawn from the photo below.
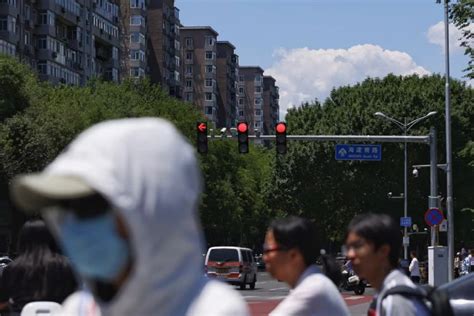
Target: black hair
(296, 232)
(378, 229)
(39, 273)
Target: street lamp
(405, 127)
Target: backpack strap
(404, 290)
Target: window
(209, 68)
(189, 97)
(3, 23)
(209, 110)
(137, 72)
(137, 20)
(27, 13)
(209, 55)
(42, 69)
(258, 89)
(258, 112)
(258, 101)
(258, 78)
(208, 96)
(210, 40)
(209, 83)
(241, 113)
(27, 38)
(42, 42)
(136, 37)
(241, 101)
(189, 42)
(137, 54)
(189, 56)
(189, 69)
(189, 83)
(257, 124)
(241, 78)
(241, 90)
(137, 4)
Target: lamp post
(405, 127)
(449, 171)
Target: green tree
(331, 192)
(462, 15)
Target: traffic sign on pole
(405, 221)
(433, 216)
(358, 152)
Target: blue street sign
(405, 221)
(358, 152)
(434, 216)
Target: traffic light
(243, 137)
(201, 129)
(280, 131)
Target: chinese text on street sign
(358, 152)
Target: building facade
(271, 107)
(251, 97)
(227, 75)
(199, 69)
(164, 58)
(65, 41)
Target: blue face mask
(94, 246)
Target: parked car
(461, 295)
(234, 265)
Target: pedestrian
(373, 243)
(39, 273)
(290, 256)
(123, 201)
(414, 268)
(469, 261)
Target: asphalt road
(268, 293)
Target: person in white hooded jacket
(122, 201)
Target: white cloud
(435, 36)
(304, 74)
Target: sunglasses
(267, 249)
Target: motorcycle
(352, 282)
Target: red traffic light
(202, 127)
(280, 128)
(242, 127)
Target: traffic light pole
(429, 140)
(323, 138)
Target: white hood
(149, 173)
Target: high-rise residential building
(199, 68)
(271, 107)
(65, 41)
(133, 44)
(227, 72)
(163, 43)
(251, 97)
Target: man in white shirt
(414, 268)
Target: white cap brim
(35, 191)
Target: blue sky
(310, 46)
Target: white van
(234, 265)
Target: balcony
(8, 9)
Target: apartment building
(164, 58)
(199, 68)
(251, 97)
(271, 107)
(65, 41)
(227, 74)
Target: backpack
(436, 301)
